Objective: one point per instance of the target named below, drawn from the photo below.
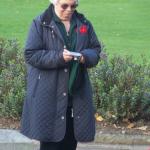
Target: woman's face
(65, 8)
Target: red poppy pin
(83, 29)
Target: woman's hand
(67, 56)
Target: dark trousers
(68, 143)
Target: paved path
(13, 140)
(111, 147)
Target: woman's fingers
(67, 56)
(66, 52)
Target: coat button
(65, 70)
(64, 94)
(78, 117)
(62, 117)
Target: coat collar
(47, 21)
(47, 15)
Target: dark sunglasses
(65, 6)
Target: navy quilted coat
(45, 104)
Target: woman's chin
(66, 18)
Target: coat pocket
(36, 85)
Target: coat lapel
(56, 31)
(82, 37)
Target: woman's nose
(69, 8)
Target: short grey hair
(55, 1)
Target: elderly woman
(58, 109)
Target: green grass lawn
(122, 25)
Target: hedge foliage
(12, 80)
(121, 87)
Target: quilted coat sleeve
(36, 55)
(92, 53)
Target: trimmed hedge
(121, 87)
(12, 79)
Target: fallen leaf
(143, 128)
(98, 117)
(126, 120)
(131, 125)
(115, 125)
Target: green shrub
(122, 88)
(12, 80)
